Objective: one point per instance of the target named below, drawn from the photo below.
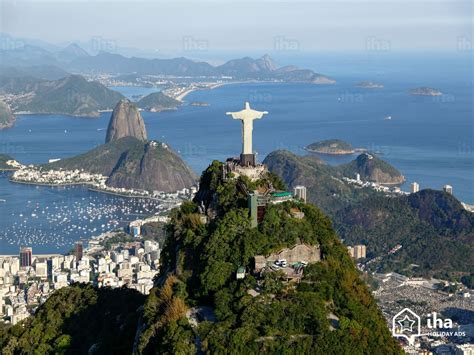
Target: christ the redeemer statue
(247, 116)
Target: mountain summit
(71, 52)
(267, 62)
(129, 160)
(126, 121)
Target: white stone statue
(247, 115)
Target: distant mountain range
(246, 68)
(40, 77)
(74, 59)
(435, 231)
(46, 72)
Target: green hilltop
(72, 95)
(329, 311)
(131, 163)
(76, 320)
(371, 168)
(434, 229)
(199, 304)
(100, 160)
(432, 226)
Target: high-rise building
(350, 251)
(358, 177)
(26, 256)
(78, 251)
(360, 251)
(415, 187)
(300, 192)
(41, 268)
(448, 189)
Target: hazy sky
(177, 25)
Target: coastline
(92, 115)
(342, 152)
(189, 90)
(50, 185)
(122, 195)
(90, 187)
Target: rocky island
(157, 101)
(331, 146)
(426, 91)
(369, 85)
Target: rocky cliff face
(6, 116)
(156, 167)
(126, 121)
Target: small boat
(387, 118)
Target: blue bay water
(429, 139)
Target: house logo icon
(406, 324)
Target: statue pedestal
(247, 160)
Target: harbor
(52, 219)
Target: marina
(51, 219)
